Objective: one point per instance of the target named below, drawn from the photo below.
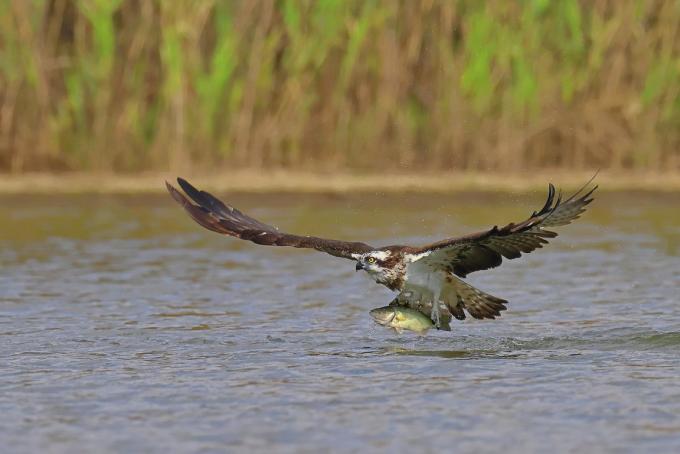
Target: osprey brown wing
(213, 214)
(486, 249)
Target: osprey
(427, 278)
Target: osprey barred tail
(427, 278)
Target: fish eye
(371, 260)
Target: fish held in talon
(420, 275)
(402, 318)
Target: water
(126, 327)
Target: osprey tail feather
(462, 296)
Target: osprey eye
(371, 260)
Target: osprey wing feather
(486, 249)
(213, 214)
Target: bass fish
(401, 318)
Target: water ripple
(140, 332)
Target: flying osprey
(428, 278)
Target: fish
(402, 318)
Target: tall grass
(126, 85)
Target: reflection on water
(450, 354)
(126, 327)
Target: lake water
(125, 327)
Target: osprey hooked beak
(359, 266)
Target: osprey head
(375, 263)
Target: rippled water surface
(126, 327)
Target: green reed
(128, 86)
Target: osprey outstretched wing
(428, 278)
(486, 249)
(214, 215)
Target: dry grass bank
(286, 181)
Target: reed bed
(126, 86)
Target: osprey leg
(435, 310)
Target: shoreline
(254, 181)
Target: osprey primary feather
(427, 278)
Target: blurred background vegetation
(130, 85)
